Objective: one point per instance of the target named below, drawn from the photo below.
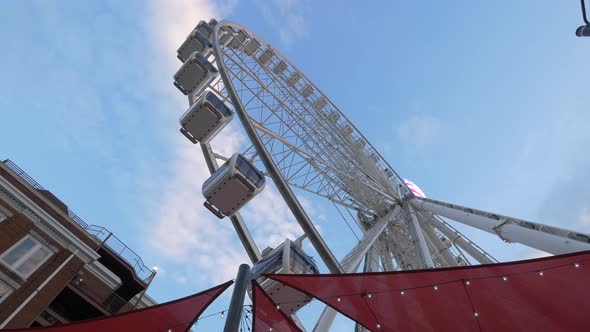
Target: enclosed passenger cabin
(206, 29)
(195, 42)
(205, 118)
(388, 173)
(233, 185)
(307, 91)
(252, 47)
(360, 143)
(288, 258)
(279, 68)
(346, 130)
(293, 79)
(227, 34)
(334, 116)
(213, 22)
(195, 74)
(320, 103)
(266, 57)
(374, 157)
(240, 39)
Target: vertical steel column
(234, 314)
(441, 248)
(458, 240)
(140, 297)
(420, 237)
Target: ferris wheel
(299, 139)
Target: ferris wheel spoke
(298, 109)
(318, 161)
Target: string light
(378, 326)
(467, 283)
(402, 292)
(541, 273)
(505, 278)
(369, 295)
(476, 314)
(278, 307)
(222, 314)
(338, 299)
(435, 287)
(577, 265)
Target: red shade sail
(266, 315)
(174, 316)
(545, 294)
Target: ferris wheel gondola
(205, 118)
(233, 185)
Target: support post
(140, 297)
(234, 314)
(420, 237)
(351, 262)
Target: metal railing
(98, 232)
(117, 246)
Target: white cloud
(421, 131)
(584, 216)
(288, 17)
(272, 221)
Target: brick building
(55, 268)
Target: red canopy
(266, 315)
(174, 316)
(545, 294)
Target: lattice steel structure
(301, 140)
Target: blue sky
(483, 104)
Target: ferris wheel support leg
(351, 262)
(442, 249)
(372, 259)
(459, 240)
(386, 258)
(371, 265)
(236, 220)
(415, 225)
(550, 239)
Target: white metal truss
(300, 139)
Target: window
(4, 291)
(26, 256)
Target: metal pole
(420, 237)
(140, 297)
(234, 314)
(460, 241)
